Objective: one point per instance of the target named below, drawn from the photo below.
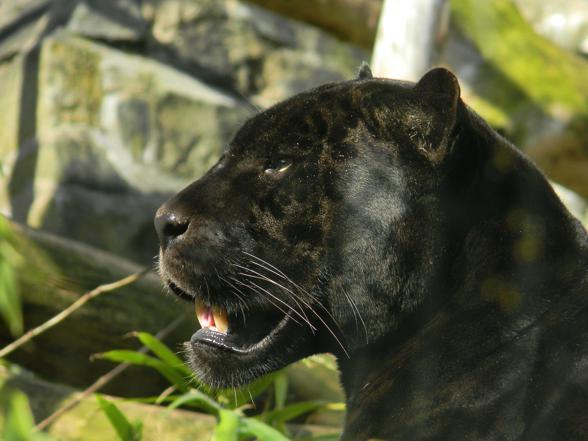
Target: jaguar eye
(279, 166)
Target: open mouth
(238, 329)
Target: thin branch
(71, 309)
(103, 380)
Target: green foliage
(227, 406)
(16, 417)
(260, 430)
(10, 262)
(125, 430)
(15, 412)
(543, 72)
(227, 428)
(172, 374)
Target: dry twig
(103, 380)
(85, 298)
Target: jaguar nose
(169, 227)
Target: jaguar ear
(364, 73)
(442, 85)
(440, 89)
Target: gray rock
(98, 137)
(112, 20)
(22, 23)
(11, 80)
(115, 135)
(262, 55)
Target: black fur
(364, 73)
(389, 225)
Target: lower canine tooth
(221, 322)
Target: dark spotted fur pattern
(384, 222)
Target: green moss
(74, 69)
(552, 78)
(495, 115)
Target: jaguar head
(308, 235)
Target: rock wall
(110, 106)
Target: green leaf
(123, 427)
(16, 418)
(328, 437)
(164, 353)
(227, 428)
(138, 358)
(281, 390)
(288, 413)
(261, 430)
(10, 308)
(199, 399)
(19, 419)
(138, 430)
(235, 398)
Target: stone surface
(133, 100)
(113, 20)
(11, 81)
(22, 24)
(115, 135)
(247, 48)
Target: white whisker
(281, 273)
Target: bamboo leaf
(292, 411)
(10, 261)
(227, 428)
(235, 398)
(19, 419)
(123, 427)
(199, 399)
(261, 430)
(137, 358)
(328, 437)
(281, 390)
(164, 353)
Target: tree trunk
(351, 20)
(409, 38)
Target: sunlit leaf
(163, 352)
(235, 398)
(261, 431)
(138, 358)
(227, 428)
(16, 418)
(327, 437)
(288, 413)
(19, 419)
(197, 399)
(10, 261)
(281, 390)
(123, 427)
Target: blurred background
(108, 107)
